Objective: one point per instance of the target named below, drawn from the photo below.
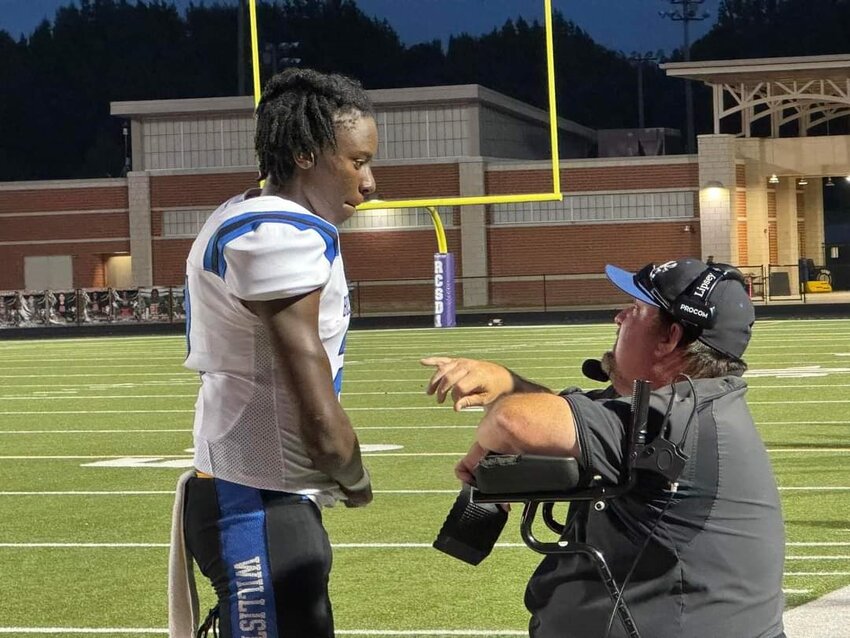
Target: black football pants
(266, 554)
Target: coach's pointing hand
(471, 382)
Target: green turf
(67, 405)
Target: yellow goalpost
(555, 195)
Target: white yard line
(817, 574)
(184, 430)
(13, 412)
(425, 633)
(193, 395)
(81, 630)
(359, 428)
(86, 397)
(347, 408)
(188, 430)
(826, 616)
(824, 488)
(171, 493)
(819, 544)
(154, 457)
(69, 545)
(399, 492)
(110, 375)
(373, 455)
(825, 557)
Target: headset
(693, 305)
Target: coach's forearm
(521, 384)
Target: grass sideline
(83, 542)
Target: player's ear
(305, 160)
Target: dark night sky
(625, 25)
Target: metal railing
(534, 293)
(87, 306)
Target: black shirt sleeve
(600, 428)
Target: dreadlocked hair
(296, 115)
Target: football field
(94, 433)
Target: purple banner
(444, 290)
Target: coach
(698, 554)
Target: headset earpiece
(694, 304)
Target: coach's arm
(520, 416)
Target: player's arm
(329, 439)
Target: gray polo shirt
(713, 568)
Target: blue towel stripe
(338, 382)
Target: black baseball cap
(709, 298)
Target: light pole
(638, 60)
(125, 131)
(240, 48)
(687, 14)
(280, 55)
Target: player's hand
(358, 498)
(471, 382)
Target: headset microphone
(592, 369)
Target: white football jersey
(258, 249)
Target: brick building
(190, 155)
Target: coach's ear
(669, 339)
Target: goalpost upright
(444, 307)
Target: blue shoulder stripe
(242, 224)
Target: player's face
(342, 178)
(639, 329)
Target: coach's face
(340, 179)
(639, 332)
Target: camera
(471, 529)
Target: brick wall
(87, 259)
(198, 190)
(578, 249)
(53, 199)
(415, 182)
(368, 256)
(395, 254)
(53, 227)
(380, 255)
(599, 178)
(742, 222)
(740, 176)
(169, 261)
(772, 228)
(554, 293)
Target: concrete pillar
(758, 241)
(787, 239)
(786, 221)
(141, 248)
(812, 214)
(473, 235)
(718, 226)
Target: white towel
(182, 593)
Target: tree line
(56, 83)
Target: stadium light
(686, 15)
